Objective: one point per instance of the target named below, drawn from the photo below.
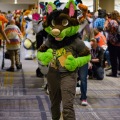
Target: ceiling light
(15, 2)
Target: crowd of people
(100, 33)
(105, 47)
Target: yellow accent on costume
(60, 52)
(27, 44)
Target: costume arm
(83, 60)
(72, 63)
(45, 57)
(45, 54)
(81, 48)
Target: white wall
(117, 5)
(12, 7)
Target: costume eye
(53, 23)
(65, 22)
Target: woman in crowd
(111, 27)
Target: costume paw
(70, 63)
(45, 57)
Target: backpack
(114, 31)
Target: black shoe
(19, 66)
(10, 69)
(78, 85)
(38, 73)
(118, 72)
(111, 75)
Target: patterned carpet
(23, 98)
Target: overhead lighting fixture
(15, 2)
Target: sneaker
(108, 68)
(10, 69)
(111, 75)
(84, 103)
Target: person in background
(9, 16)
(100, 20)
(82, 77)
(101, 39)
(2, 33)
(111, 27)
(107, 19)
(102, 42)
(85, 33)
(15, 36)
(96, 70)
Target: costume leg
(53, 78)
(34, 53)
(68, 89)
(12, 57)
(17, 57)
(28, 54)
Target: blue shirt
(99, 23)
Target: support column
(108, 5)
(95, 5)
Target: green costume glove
(72, 63)
(45, 57)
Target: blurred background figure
(113, 42)
(3, 21)
(15, 36)
(96, 70)
(9, 16)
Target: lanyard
(93, 52)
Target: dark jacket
(98, 53)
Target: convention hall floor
(23, 98)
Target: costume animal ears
(50, 7)
(69, 9)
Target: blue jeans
(107, 56)
(82, 74)
(96, 72)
